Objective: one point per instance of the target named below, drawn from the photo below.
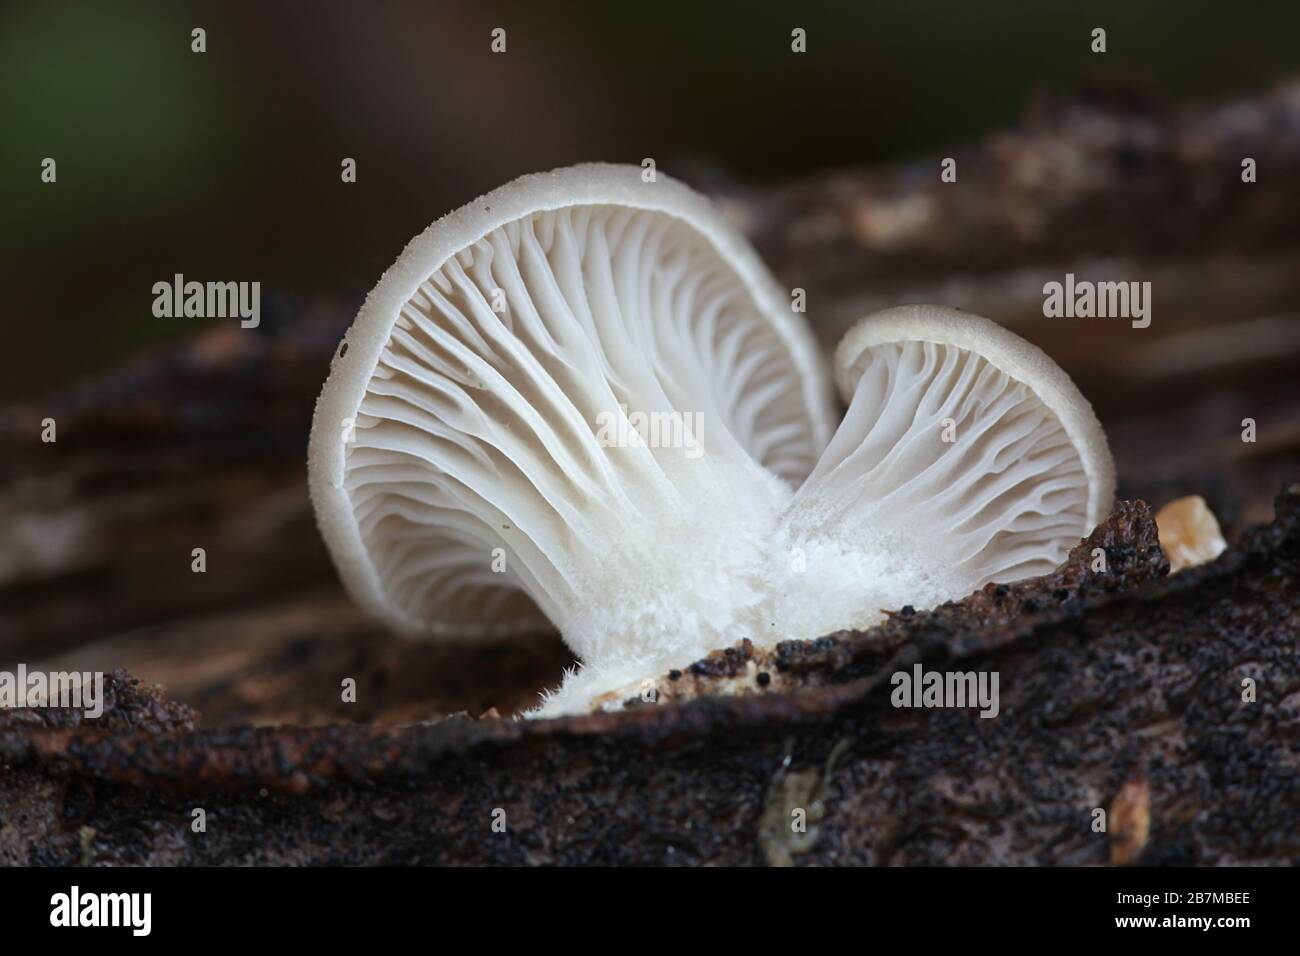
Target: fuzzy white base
(583, 685)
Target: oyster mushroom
(966, 456)
(477, 452)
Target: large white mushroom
(581, 393)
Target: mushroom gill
(594, 401)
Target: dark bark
(1125, 681)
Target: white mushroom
(966, 456)
(461, 462)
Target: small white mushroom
(966, 456)
(461, 462)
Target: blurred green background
(226, 165)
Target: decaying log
(1110, 681)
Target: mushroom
(487, 444)
(966, 456)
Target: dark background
(225, 165)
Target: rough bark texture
(1120, 691)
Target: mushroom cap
(1004, 351)
(966, 456)
(614, 287)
